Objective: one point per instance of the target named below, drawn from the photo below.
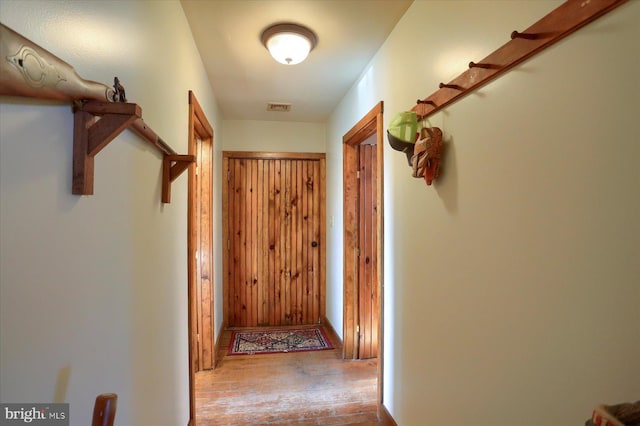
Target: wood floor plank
(303, 388)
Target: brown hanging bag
(427, 151)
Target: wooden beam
(559, 23)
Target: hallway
(304, 388)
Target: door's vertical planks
(303, 241)
(293, 209)
(366, 279)
(350, 237)
(198, 263)
(252, 213)
(234, 238)
(266, 283)
(258, 246)
(242, 244)
(308, 249)
(278, 240)
(248, 247)
(315, 231)
(362, 249)
(206, 249)
(375, 303)
(368, 293)
(300, 246)
(370, 230)
(304, 245)
(226, 255)
(228, 217)
(270, 231)
(321, 238)
(297, 243)
(287, 256)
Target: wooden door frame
(199, 128)
(371, 123)
(226, 155)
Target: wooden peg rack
(91, 134)
(562, 21)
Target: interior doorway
(363, 239)
(200, 248)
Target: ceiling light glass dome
(289, 44)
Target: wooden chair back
(104, 410)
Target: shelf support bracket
(95, 125)
(172, 166)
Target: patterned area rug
(281, 340)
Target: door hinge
(358, 328)
(196, 170)
(228, 175)
(358, 251)
(228, 245)
(358, 174)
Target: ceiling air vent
(278, 107)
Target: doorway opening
(200, 249)
(363, 240)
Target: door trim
(199, 127)
(371, 123)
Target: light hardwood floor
(303, 388)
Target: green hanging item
(402, 132)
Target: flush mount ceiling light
(289, 44)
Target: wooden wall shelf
(562, 21)
(97, 123)
(101, 112)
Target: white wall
(93, 289)
(512, 283)
(274, 136)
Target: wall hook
(450, 86)
(526, 36)
(534, 36)
(483, 65)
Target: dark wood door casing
(363, 234)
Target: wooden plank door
(273, 221)
(368, 304)
(203, 255)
